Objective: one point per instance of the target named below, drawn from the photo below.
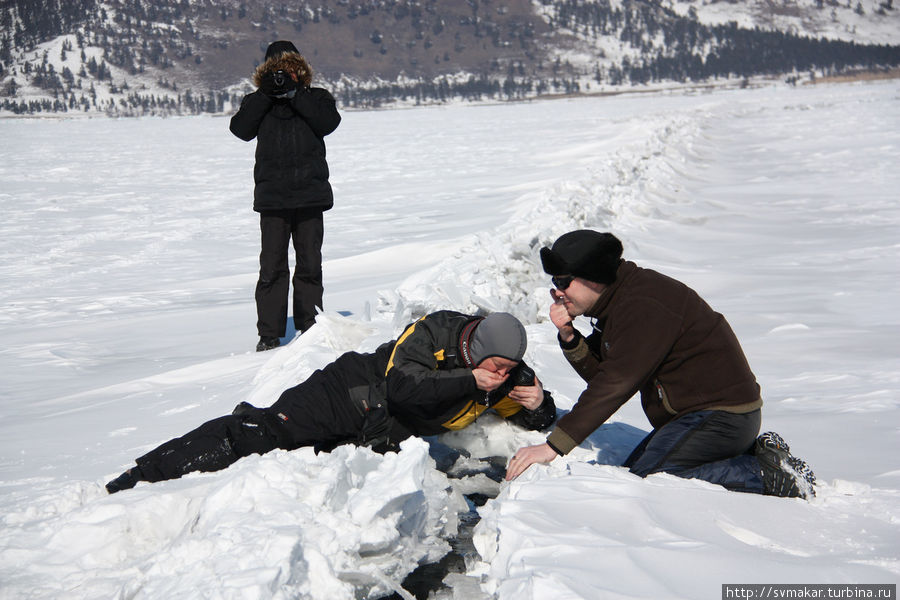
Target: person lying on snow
(654, 335)
(441, 373)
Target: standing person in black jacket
(289, 120)
(440, 374)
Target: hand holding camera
(278, 84)
(486, 380)
(527, 390)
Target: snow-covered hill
(863, 21)
(145, 57)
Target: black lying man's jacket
(429, 385)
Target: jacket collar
(625, 270)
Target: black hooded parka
(291, 171)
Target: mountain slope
(151, 56)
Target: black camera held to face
(522, 375)
(278, 84)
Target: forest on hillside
(136, 57)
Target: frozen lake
(129, 259)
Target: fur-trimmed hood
(287, 61)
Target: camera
(279, 79)
(523, 375)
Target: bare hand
(560, 316)
(487, 381)
(527, 456)
(529, 396)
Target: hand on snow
(527, 456)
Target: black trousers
(324, 411)
(278, 228)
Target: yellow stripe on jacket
(507, 407)
(399, 341)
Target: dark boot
(267, 343)
(125, 481)
(783, 474)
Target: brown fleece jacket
(656, 336)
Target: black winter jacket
(420, 384)
(429, 383)
(291, 171)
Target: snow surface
(129, 259)
(860, 21)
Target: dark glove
(278, 84)
(540, 418)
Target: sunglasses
(561, 282)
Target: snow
(861, 21)
(129, 261)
